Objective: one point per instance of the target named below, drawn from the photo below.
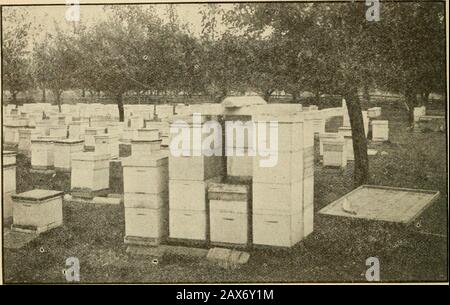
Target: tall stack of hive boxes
(9, 182)
(145, 176)
(189, 177)
(283, 193)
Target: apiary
(380, 130)
(63, 151)
(37, 210)
(89, 174)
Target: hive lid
(154, 159)
(90, 156)
(69, 141)
(228, 188)
(380, 122)
(242, 101)
(9, 153)
(37, 195)
(143, 140)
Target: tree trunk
(361, 167)
(14, 99)
(43, 95)
(267, 94)
(366, 94)
(120, 107)
(425, 97)
(294, 97)
(317, 95)
(83, 92)
(411, 101)
(58, 101)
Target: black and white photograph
(279, 142)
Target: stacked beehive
(283, 193)
(63, 151)
(145, 176)
(90, 174)
(189, 176)
(9, 182)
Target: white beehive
(334, 152)
(107, 144)
(346, 133)
(144, 147)
(374, 112)
(9, 181)
(147, 223)
(145, 174)
(42, 153)
(63, 151)
(25, 137)
(229, 213)
(37, 210)
(365, 122)
(283, 194)
(324, 136)
(90, 171)
(77, 129)
(89, 135)
(380, 130)
(58, 131)
(148, 134)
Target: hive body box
(334, 152)
(380, 130)
(37, 210)
(374, 112)
(25, 137)
(11, 132)
(90, 172)
(9, 182)
(188, 183)
(346, 133)
(283, 194)
(325, 136)
(42, 153)
(229, 213)
(89, 136)
(107, 144)
(146, 196)
(63, 151)
(77, 130)
(58, 131)
(144, 147)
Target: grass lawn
(335, 251)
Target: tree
(16, 73)
(413, 56)
(335, 41)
